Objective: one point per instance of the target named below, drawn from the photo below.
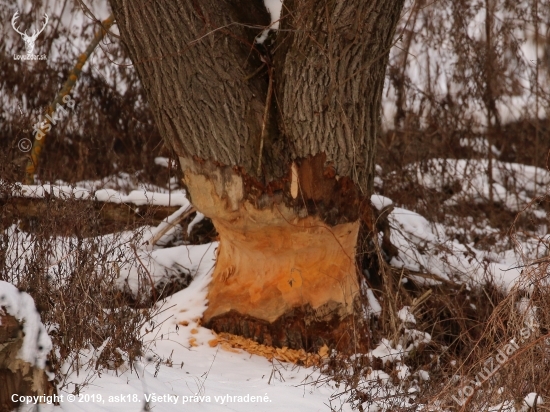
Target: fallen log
(102, 217)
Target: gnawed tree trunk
(277, 147)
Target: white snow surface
(398, 351)
(91, 190)
(514, 184)
(36, 342)
(405, 315)
(210, 373)
(434, 248)
(426, 247)
(164, 162)
(380, 202)
(213, 378)
(387, 353)
(531, 398)
(274, 8)
(374, 306)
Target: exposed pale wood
(272, 261)
(281, 277)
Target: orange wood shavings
(193, 342)
(194, 331)
(230, 342)
(324, 351)
(184, 323)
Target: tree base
(282, 278)
(291, 330)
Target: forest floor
(468, 280)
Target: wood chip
(323, 351)
(232, 342)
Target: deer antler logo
(29, 40)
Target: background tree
(276, 143)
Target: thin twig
(266, 113)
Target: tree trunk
(276, 143)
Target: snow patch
(36, 342)
(405, 315)
(531, 399)
(380, 202)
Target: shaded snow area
(36, 343)
(179, 366)
(132, 253)
(448, 251)
(469, 179)
(425, 247)
(181, 371)
(274, 8)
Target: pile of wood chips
(300, 357)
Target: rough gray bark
(199, 66)
(194, 59)
(330, 67)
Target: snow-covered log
(24, 347)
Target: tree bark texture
(276, 142)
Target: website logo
(29, 40)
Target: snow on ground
(434, 248)
(203, 378)
(514, 185)
(119, 188)
(36, 344)
(129, 251)
(427, 247)
(180, 367)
